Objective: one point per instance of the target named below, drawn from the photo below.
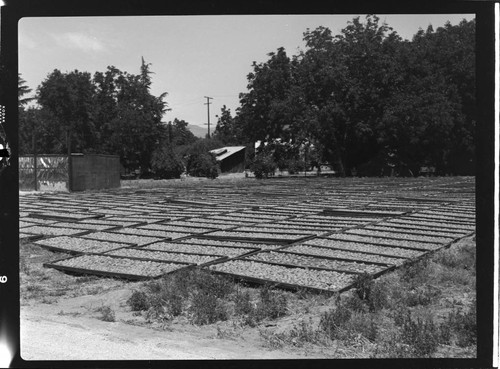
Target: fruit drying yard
(313, 233)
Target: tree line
(364, 100)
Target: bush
(165, 164)
(206, 309)
(210, 283)
(263, 166)
(139, 301)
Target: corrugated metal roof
(224, 152)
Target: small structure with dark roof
(231, 159)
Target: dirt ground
(75, 333)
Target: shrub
(210, 283)
(166, 296)
(243, 303)
(206, 309)
(139, 301)
(263, 166)
(272, 304)
(421, 335)
(165, 164)
(202, 164)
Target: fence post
(70, 161)
(34, 161)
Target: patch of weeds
(243, 303)
(463, 326)
(58, 292)
(360, 324)
(392, 348)
(380, 296)
(226, 332)
(211, 283)
(86, 278)
(458, 276)
(62, 313)
(363, 284)
(333, 321)
(399, 315)
(24, 266)
(273, 340)
(422, 295)
(206, 309)
(354, 303)
(158, 313)
(416, 273)
(304, 332)
(421, 335)
(48, 300)
(107, 313)
(461, 257)
(272, 304)
(34, 288)
(445, 333)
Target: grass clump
(107, 313)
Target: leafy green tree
(165, 164)
(67, 97)
(227, 129)
(264, 113)
(179, 134)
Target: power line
(208, 112)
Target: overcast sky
(191, 56)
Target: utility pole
(33, 144)
(208, 112)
